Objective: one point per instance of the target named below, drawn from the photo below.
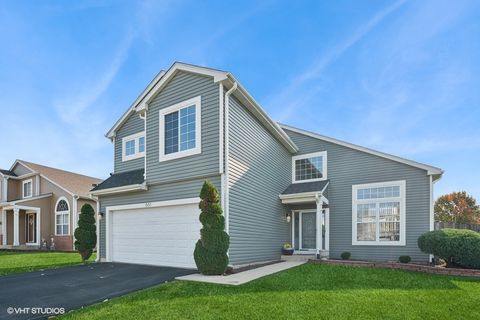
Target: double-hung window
(309, 167)
(180, 129)
(27, 188)
(133, 146)
(378, 213)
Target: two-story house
(278, 183)
(39, 204)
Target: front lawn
(307, 292)
(14, 261)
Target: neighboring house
(39, 203)
(278, 183)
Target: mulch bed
(403, 266)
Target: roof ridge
(62, 170)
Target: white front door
(163, 236)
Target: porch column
(327, 230)
(16, 214)
(4, 227)
(318, 200)
(38, 217)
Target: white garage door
(163, 236)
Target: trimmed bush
(86, 232)
(345, 255)
(211, 250)
(457, 247)
(404, 259)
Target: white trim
(75, 215)
(401, 199)
(432, 212)
(327, 229)
(322, 154)
(136, 138)
(226, 209)
(37, 185)
(131, 187)
(220, 131)
(430, 169)
(4, 226)
(293, 228)
(197, 101)
(23, 188)
(97, 227)
(111, 133)
(158, 204)
(30, 199)
(62, 213)
(16, 230)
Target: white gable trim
(111, 133)
(430, 169)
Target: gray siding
(161, 192)
(259, 172)
(347, 167)
(184, 86)
(133, 125)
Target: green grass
(306, 292)
(13, 262)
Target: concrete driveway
(36, 295)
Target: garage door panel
(157, 236)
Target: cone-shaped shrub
(86, 234)
(211, 250)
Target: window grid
(309, 168)
(130, 147)
(180, 130)
(62, 223)
(378, 214)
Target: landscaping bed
(404, 266)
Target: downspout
(227, 155)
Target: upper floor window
(27, 188)
(180, 129)
(379, 213)
(133, 146)
(309, 167)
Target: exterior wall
(61, 242)
(132, 126)
(13, 190)
(184, 86)
(259, 172)
(162, 192)
(347, 167)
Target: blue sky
(397, 76)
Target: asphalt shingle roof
(8, 173)
(306, 187)
(122, 179)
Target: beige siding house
(39, 204)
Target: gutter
(129, 188)
(227, 154)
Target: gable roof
(431, 170)
(219, 76)
(73, 183)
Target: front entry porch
(309, 218)
(20, 227)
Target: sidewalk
(243, 277)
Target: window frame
(197, 101)
(57, 213)
(137, 154)
(322, 154)
(23, 188)
(401, 199)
